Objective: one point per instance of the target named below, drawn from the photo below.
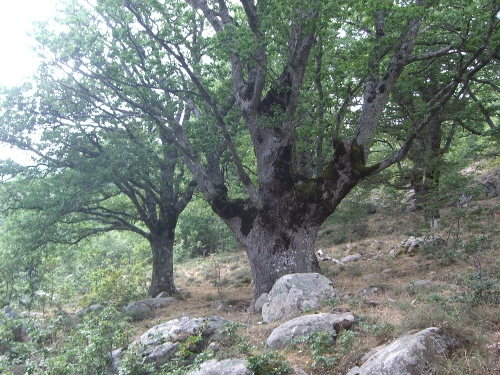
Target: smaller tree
(472, 112)
(92, 172)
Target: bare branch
(431, 55)
(481, 107)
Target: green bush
(12, 348)
(82, 349)
(132, 363)
(111, 283)
(382, 331)
(268, 363)
(232, 340)
(480, 291)
(320, 344)
(347, 340)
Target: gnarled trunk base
(275, 251)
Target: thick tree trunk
(162, 279)
(279, 235)
(275, 250)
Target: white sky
(15, 21)
(17, 61)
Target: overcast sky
(16, 16)
(16, 59)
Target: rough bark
(427, 153)
(279, 237)
(427, 157)
(162, 248)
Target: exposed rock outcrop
(351, 258)
(160, 343)
(412, 354)
(491, 184)
(149, 304)
(411, 245)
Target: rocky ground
(398, 282)
(395, 297)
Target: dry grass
(398, 303)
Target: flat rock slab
(351, 258)
(294, 294)
(303, 325)
(231, 366)
(180, 329)
(161, 343)
(411, 354)
(150, 303)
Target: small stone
(260, 302)
(420, 283)
(369, 291)
(351, 258)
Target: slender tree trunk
(427, 157)
(162, 279)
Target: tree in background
(465, 114)
(92, 172)
(275, 106)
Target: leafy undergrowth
(454, 286)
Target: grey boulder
(303, 325)
(161, 343)
(259, 303)
(412, 245)
(149, 304)
(351, 258)
(231, 366)
(411, 354)
(294, 294)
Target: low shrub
(269, 363)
